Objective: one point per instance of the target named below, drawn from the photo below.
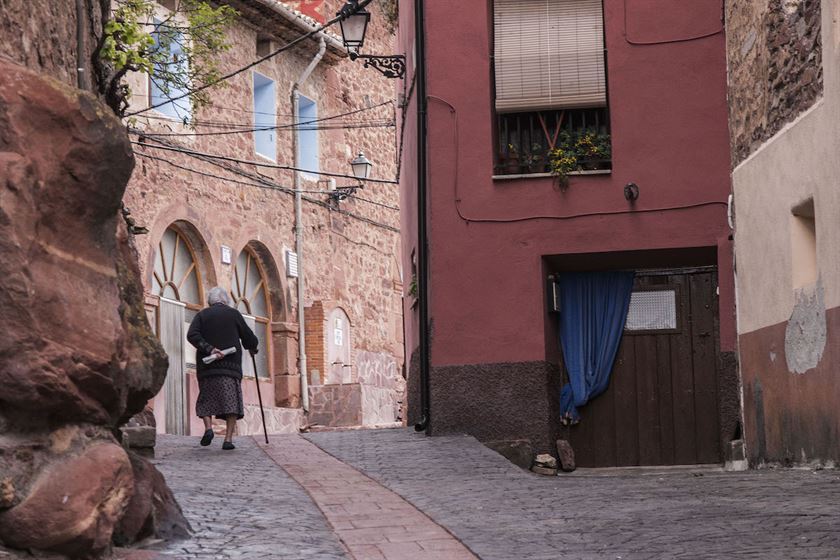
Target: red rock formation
(77, 357)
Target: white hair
(218, 295)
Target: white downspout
(304, 382)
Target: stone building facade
(784, 88)
(775, 68)
(231, 224)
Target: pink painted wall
(669, 128)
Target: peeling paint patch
(805, 334)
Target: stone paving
(396, 495)
(502, 512)
(373, 522)
(241, 504)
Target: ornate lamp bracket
(341, 193)
(389, 66)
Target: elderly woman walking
(216, 328)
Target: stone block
(545, 460)
(544, 471)
(93, 490)
(152, 510)
(519, 452)
(566, 455)
(139, 436)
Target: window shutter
(549, 54)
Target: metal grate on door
(653, 310)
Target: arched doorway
(339, 348)
(176, 280)
(250, 292)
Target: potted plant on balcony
(593, 149)
(584, 149)
(562, 161)
(533, 159)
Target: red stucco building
(502, 85)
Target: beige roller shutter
(549, 54)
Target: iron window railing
(545, 141)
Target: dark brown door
(661, 407)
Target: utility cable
(668, 41)
(267, 128)
(289, 190)
(468, 219)
(255, 163)
(321, 119)
(238, 71)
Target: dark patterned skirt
(219, 396)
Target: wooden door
(172, 338)
(661, 407)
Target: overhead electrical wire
(321, 119)
(262, 129)
(251, 162)
(250, 65)
(499, 220)
(268, 184)
(261, 185)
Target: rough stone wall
(46, 43)
(77, 358)
(335, 405)
(383, 388)
(351, 250)
(519, 402)
(774, 53)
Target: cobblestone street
(241, 505)
(394, 494)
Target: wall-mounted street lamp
(353, 24)
(354, 21)
(361, 170)
(361, 166)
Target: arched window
(250, 296)
(175, 274)
(176, 280)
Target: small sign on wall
(291, 264)
(339, 332)
(225, 254)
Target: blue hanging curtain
(592, 316)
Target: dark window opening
(540, 141)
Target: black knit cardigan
(220, 326)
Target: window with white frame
(162, 87)
(308, 137)
(550, 85)
(249, 288)
(265, 117)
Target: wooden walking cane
(259, 397)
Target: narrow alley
(394, 494)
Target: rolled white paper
(212, 357)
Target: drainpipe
(304, 381)
(422, 242)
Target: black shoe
(207, 438)
(228, 445)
